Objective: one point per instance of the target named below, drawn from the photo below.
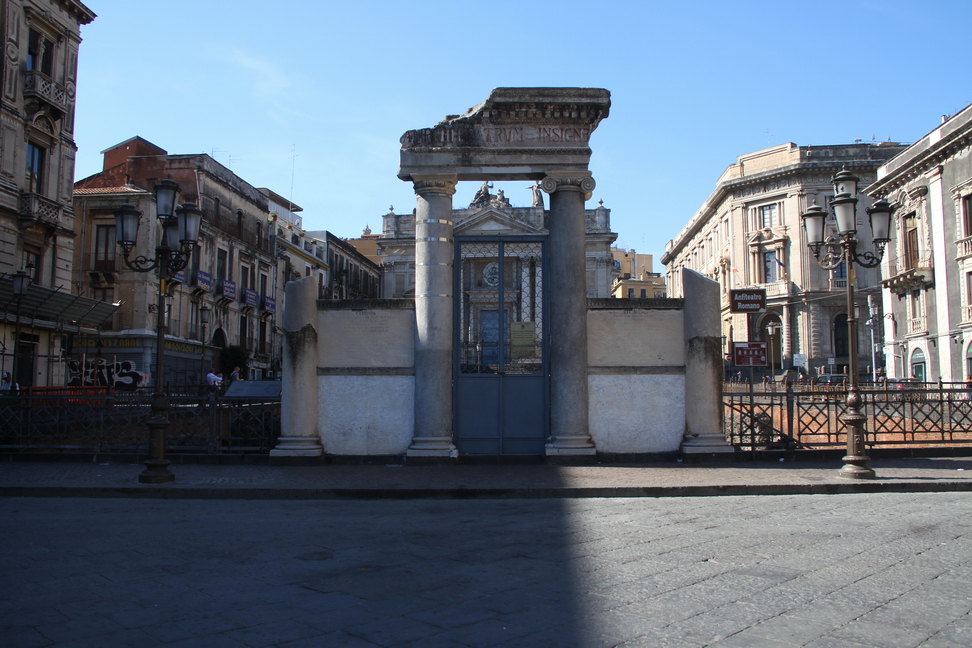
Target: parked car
(911, 389)
(831, 380)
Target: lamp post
(179, 235)
(204, 320)
(830, 252)
(772, 328)
(20, 280)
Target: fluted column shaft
(433, 317)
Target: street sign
(747, 301)
(800, 360)
(749, 354)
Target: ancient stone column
(299, 407)
(704, 436)
(567, 285)
(433, 317)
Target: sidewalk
(201, 481)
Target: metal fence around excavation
(93, 421)
(798, 417)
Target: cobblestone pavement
(880, 569)
(490, 481)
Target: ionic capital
(584, 184)
(442, 185)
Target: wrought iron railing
(777, 416)
(90, 420)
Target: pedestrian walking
(235, 375)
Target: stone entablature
(516, 134)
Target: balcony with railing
(917, 324)
(967, 313)
(838, 284)
(963, 248)
(101, 262)
(42, 87)
(910, 272)
(35, 209)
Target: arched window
(918, 368)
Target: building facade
(927, 270)
(233, 276)
(748, 234)
(492, 214)
(633, 276)
(37, 221)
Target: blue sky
(310, 98)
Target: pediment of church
(493, 222)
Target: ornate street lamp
(204, 320)
(179, 235)
(830, 252)
(20, 281)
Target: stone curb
(177, 491)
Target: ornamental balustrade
(38, 84)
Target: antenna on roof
(293, 170)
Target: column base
(431, 447)
(297, 447)
(566, 446)
(706, 443)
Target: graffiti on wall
(100, 372)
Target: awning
(40, 303)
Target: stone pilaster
(433, 317)
(299, 411)
(567, 283)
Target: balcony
(838, 284)
(967, 313)
(963, 248)
(917, 325)
(38, 210)
(96, 262)
(38, 85)
(777, 288)
(909, 272)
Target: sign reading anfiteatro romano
(747, 301)
(749, 354)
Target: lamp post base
(856, 467)
(156, 472)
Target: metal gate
(501, 372)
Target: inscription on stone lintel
(533, 135)
(507, 136)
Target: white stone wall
(636, 380)
(367, 387)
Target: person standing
(7, 386)
(235, 375)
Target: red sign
(749, 354)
